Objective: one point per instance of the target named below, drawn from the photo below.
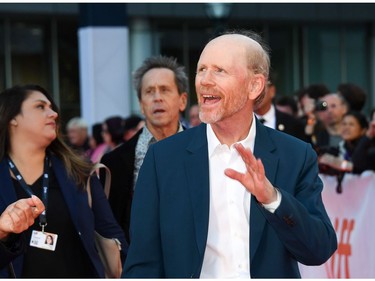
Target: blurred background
(84, 53)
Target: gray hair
(77, 122)
(181, 78)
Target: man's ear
(256, 86)
(183, 101)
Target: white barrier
(352, 213)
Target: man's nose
(206, 78)
(157, 94)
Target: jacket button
(289, 221)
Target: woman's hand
(336, 162)
(20, 215)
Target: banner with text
(352, 214)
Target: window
(30, 59)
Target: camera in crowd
(321, 105)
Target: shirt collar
(146, 135)
(213, 141)
(149, 138)
(269, 115)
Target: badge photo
(43, 240)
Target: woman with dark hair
(36, 163)
(354, 125)
(49, 239)
(113, 131)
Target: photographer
(330, 115)
(308, 103)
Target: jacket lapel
(196, 166)
(7, 193)
(68, 188)
(263, 149)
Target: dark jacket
(290, 125)
(120, 162)
(170, 211)
(81, 215)
(363, 157)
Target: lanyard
(17, 174)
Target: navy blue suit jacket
(169, 220)
(81, 215)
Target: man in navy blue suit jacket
(230, 198)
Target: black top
(363, 156)
(69, 260)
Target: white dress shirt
(269, 117)
(227, 253)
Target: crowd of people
(337, 127)
(171, 177)
(332, 122)
(104, 137)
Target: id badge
(43, 240)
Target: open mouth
(157, 111)
(209, 99)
